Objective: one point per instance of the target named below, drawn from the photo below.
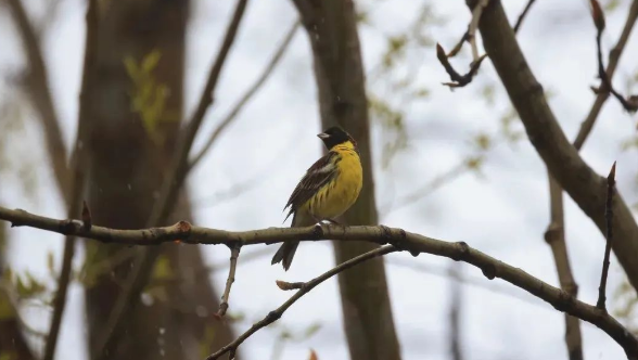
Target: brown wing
(318, 175)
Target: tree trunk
(128, 160)
(12, 342)
(332, 29)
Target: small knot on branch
(184, 226)
(69, 226)
(287, 286)
(272, 316)
(489, 271)
(463, 251)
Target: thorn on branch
(86, 217)
(458, 80)
(611, 183)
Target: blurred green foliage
(148, 96)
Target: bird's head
(336, 136)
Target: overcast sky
(503, 212)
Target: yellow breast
(341, 193)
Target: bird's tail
(287, 250)
(285, 254)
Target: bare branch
(470, 36)
(223, 306)
(261, 80)
(400, 239)
(609, 216)
(455, 50)
(456, 304)
(630, 104)
(477, 11)
(78, 184)
(580, 181)
(555, 238)
(38, 88)
(303, 290)
(614, 57)
(521, 17)
(173, 181)
(555, 234)
(458, 80)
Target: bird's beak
(323, 136)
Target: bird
(329, 188)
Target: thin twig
(555, 238)
(79, 167)
(521, 17)
(261, 80)
(459, 45)
(456, 304)
(173, 181)
(555, 234)
(411, 242)
(470, 36)
(631, 104)
(223, 306)
(38, 88)
(477, 11)
(609, 217)
(458, 80)
(303, 290)
(602, 96)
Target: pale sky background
(504, 212)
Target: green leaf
(150, 61)
(312, 329)
(162, 269)
(28, 286)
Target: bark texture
(367, 312)
(128, 163)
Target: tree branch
(223, 306)
(555, 238)
(609, 215)
(630, 104)
(602, 96)
(521, 17)
(555, 234)
(173, 181)
(38, 88)
(477, 11)
(304, 288)
(78, 184)
(585, 186)
(400, 239)
(261, 80)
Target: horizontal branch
(401, 239)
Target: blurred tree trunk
(367, 313)
(12, 342)
(128, 160)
